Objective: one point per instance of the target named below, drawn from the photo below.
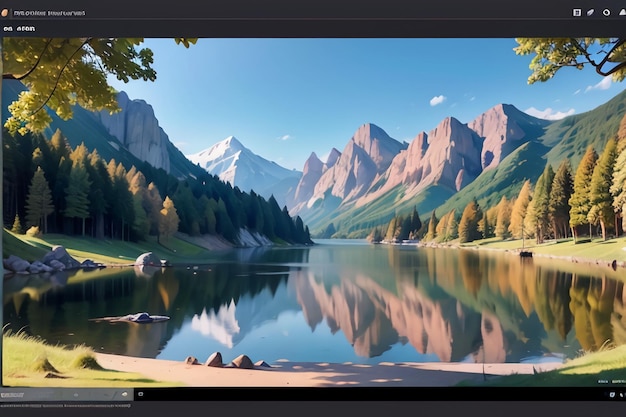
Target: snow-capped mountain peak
(232, 162)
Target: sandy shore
(312, 374)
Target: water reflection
(454, 305)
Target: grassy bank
(100, 250)
(586, 371)
(28, 361)
(594, 249)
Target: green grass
(581, 372)
(13, 245)
(105, 251)
(26, 361)
(596, 249)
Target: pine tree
(519, 209)
(152, 205)
(39, 201)
(558, 205)
(503, 220)
(540, 203)
(60, 145)
(452, 226)
(601, 199)
(17, 226)
(406, 229)
(432, 225)
(141, 225)
(168, 224)
(484, 227)
(99, 192)
(76, 193)
(580, 202)
(618, 188)
(224, 224)
(209, 214)
(391, 229)
(468, 226)
(416, 224)
(447, 228)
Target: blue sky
(284, 98)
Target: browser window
(294, 201)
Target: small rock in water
(243, 362)
(215, 360)
(191, 360)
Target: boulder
(242, 362)
(149, 259)
(38, 267)
(262, 364)
(89, 264)
(215, 360)
(59, 254)
(56, 265)
(190, 360)
(16, 264)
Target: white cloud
(605, 84)
(472, 98)
(437, 100)
(577, 91)
(549, 114)
(285, 137)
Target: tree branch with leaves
(62, 72)
(606, 55)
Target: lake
(337, 301)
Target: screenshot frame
(406, 204)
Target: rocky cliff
(367, 154)
(448, 156)
(503, 129)
(137, 128)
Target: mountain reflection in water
(351, 302)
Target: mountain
(313, 170)
(131, 136)
(368, 153)
(232, 162)
(503, 129)
(448, 156)
(137, 128)
(444, 169)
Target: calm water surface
(338, 301)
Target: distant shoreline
(516, 252)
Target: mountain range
(375, 176)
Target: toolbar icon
(622, 12)
(606, 12)
(590, 12)
(577, 12)
(4, 12)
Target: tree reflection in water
(456, 304)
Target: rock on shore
(58, 259)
